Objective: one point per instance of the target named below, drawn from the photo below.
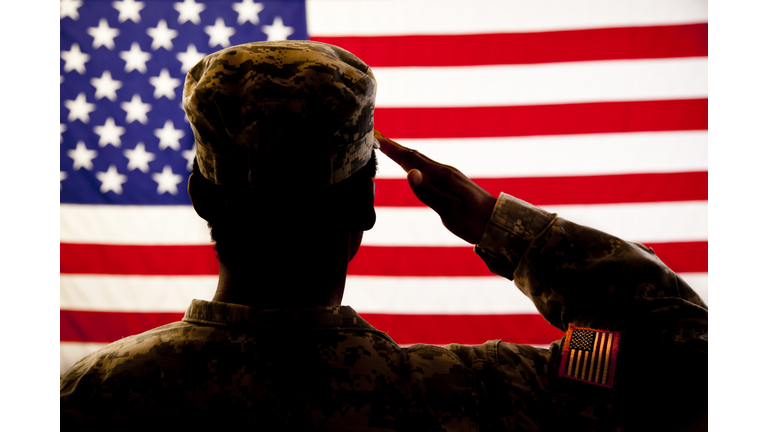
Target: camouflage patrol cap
(260, 109)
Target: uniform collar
(318, 318)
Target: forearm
(576, 274)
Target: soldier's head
(284, 145)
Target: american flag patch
(589, 355)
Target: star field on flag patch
(589, 355)
(124, 136)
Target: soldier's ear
(363, 213)
(201, 202)
(194, 196)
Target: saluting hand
(463, 206)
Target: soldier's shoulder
(124, 350)
(471, 356)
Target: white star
(162, 36)
(74, 59)
(79, 109)
(111, 180)
(219, 33)
(135, 59)
(63, 128)
(190, 58)
(189, 11)
(129, 10)
(63, 177)
(69, 9)
(277, 31)
(109, 133)
(106, 87)
(169, 137)
(139, 158)
(247, 10)
(167, 181)
(82, 156)
(189, 155)
(136, 110)
(164, 85)
(103, 35)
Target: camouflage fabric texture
(261, 108)
(328, 369)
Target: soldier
(284, 176)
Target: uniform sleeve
(579, 275)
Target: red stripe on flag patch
(598, 189)
(370, 261)
(527, 48)
(84, 326)
(556, 119)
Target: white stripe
(395, 226)
(132, 225)
(699, 282)
(405, 17)
(645, 222)
(549, 83)
(436, 295)
(407, 295)
(133, 293)
(393, 295)
(562, 155)
(71, 352)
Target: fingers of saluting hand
(407, 158)
(463, 206)
(421, 170)
(392, 149)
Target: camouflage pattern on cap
(261, 109)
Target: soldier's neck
(287, 290)
(307, 278)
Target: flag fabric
(589, 355)
(593, 109)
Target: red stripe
(417, 261)
(465, 329)
(87, 326)
(605, 358)
(589, 366)
(596, 358)
(683, 257)
(526, 48)
(158, 260)
(601, 189)
(590, 358)
(82, 326)
(580, 358)
(370, 260)
(528, 120)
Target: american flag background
(594, 109)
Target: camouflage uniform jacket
(326, 368)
